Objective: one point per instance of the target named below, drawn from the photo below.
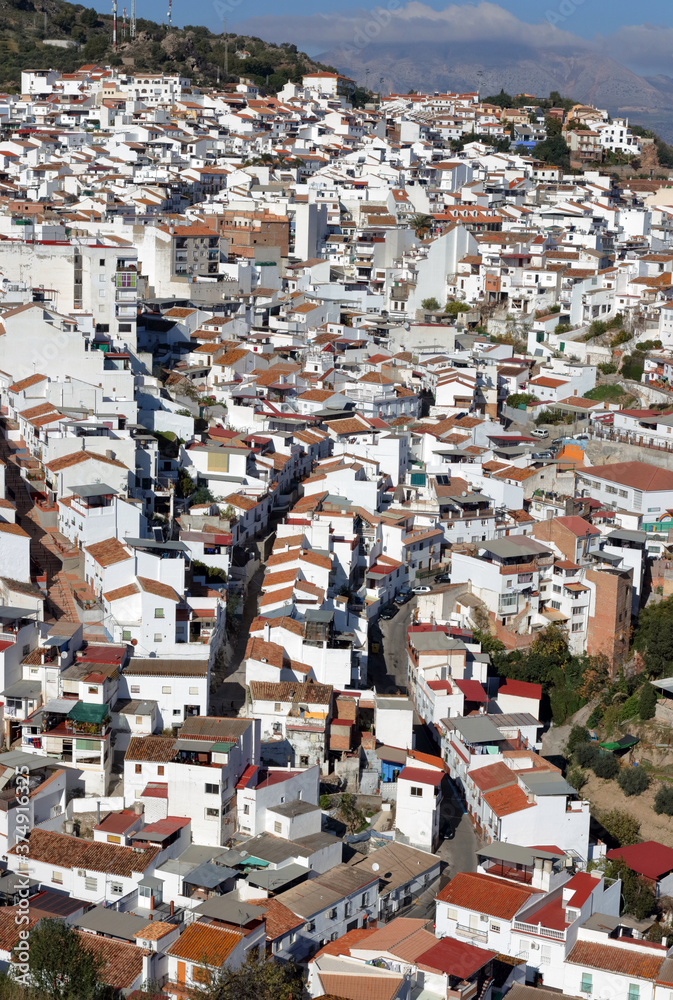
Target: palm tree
(422, 224)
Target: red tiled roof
(521, 689)
(455, 958)
(639, 962)
(422, 775)
(472, 690)
(485, 894)
(650, 858)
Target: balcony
(473, 933)
(539, 931)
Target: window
(139, 720)
(160, 769)
(586, 985)
(135, 689)
(101, 262)
(193, 690)
(303, 761)
(277, 827)
(634, 991)
(139, 768)
(212, 789)
(158, 612)
(276, 707)
(166, 689)
(246, 809)
(416, 791)
(451, 914)
(331, 914)
(91, 884)
(116, 888)
(26, 650)
(365, 899)
(126, 637)
(495, 928)
(577, 626)
(92, 689)
(57, 877)
(212, 813)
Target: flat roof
(500, 851)
(477, 729)
(111, 923)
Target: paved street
(388, 668)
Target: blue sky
(610, 26)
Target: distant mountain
(193, 51)
(444, 65)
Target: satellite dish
(64, 654)
(375, 866)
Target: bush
(325, 802)
(595, 717)
(622, 826)
(648, 702)
(606, 766)
(587, 754)
(453, 308)
(663, 801)
(630, 708)
(621, 338)
(633, 781)
(578, 737)
(608, 368)
(432, 304)
(577, 778)
(562, 328)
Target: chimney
(151, 904)
(267, 632)
(98, 813)
(172, 907)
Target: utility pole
(226, 51)
(133, 20)
(114, 25)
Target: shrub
(595, 717)
(621, 825)
(606, 766)
(663, 801)
(562, 328)
(578, 737)
(432, 304)
(633, 781)
(586, 754)
(630, 708)
(648, 702)
(577, 778)
(621, 338)
(325, 802)
(608, 368)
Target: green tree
(586, 754)
(257, 979)
(422, 224)
(501, 100)
(202, 495)
(622, 826)
(554, 151)
(453, 308)
(606, 766)
(637, 895)
(578, 737)
(648, 702)
(89, 17)
(353, 817)
(663, 801)
(654, 637)
(431, 304)
(633, 781)
(186, 484)
(61, 967)
(521, 399)
(553, 125)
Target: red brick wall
(609, 629)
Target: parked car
(421, 590)
(403, 597)
(388, 611)
(443, 578)
(543, 454)
(581, 437)
(540, 432)
(558, 442)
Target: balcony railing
(539, 930)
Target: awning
(85, 712)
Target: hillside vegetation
(192, 51)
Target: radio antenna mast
(133, 19)
(170, 13)
(114, 25)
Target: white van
(540, 432)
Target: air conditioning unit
(81, 873)
(534, 946)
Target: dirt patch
(607, 795)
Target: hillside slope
(193, 51)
